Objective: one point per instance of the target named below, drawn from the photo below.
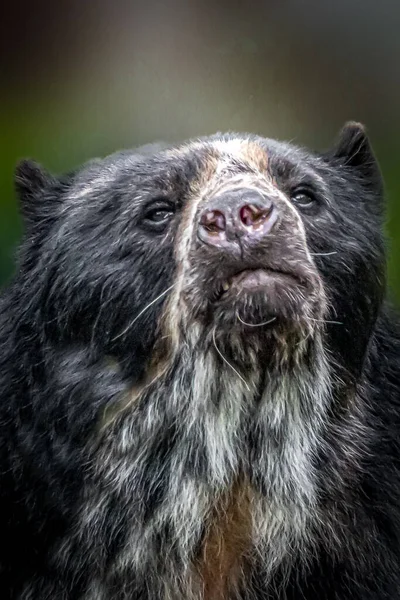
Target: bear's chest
(204, 557)
(183, 498)
(225, 549)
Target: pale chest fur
(202, 486)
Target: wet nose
(242, 213)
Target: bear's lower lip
(256, 280)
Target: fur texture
(168, 433)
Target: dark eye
(158, 215)
(303, 198)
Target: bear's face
(238, 235)
(241, 250)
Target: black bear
(200, 378)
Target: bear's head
(234, 241)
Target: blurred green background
(82, 79)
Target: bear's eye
(303, 198)
(158, 215)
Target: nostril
(213, 221)
(252, 215)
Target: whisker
(228, 363)
(255, 324)
(325, 321)
(322, 253)
(141, 312)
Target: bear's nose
(244, 213)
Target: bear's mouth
(253, 281)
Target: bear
(200, 377)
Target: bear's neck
(202, 459)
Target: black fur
(70, 347)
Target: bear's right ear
(31, 184)
(353, 149)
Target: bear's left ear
(353, 150)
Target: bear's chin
(266, 300)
